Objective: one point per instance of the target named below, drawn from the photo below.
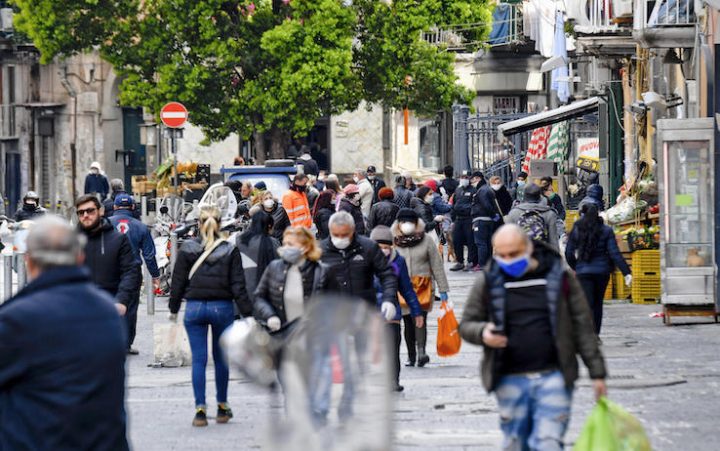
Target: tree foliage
(245, 67)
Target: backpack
(534, 225)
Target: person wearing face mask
(257, 245)
(376, 182)
(351, 204)
(295, 203)
(96, 182)
(529, 313)
(366, 191)
(383, 237)
(274, 209)
(462, 225)
(429, 208)
(30, 208)
(425, 267)
(518, 191)
(323, 209)
(288, 283)
(385, 211)
(403, 196)
(552, 197)
(487, 217)
(504, 199)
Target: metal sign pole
(150, 291)
(21, 270)
(173, 148)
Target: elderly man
(62, 352)
(530, 314)
(366, 191)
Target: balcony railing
(664, 23)
(600, 16)
(8, 126)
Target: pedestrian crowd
(535, 305)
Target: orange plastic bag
(448, 338)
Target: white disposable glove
(628, 280)
(439, 218)
(172, 317)
(388, 310)
(273, 323)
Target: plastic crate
(571, 216)
(646, 263)
(646, 289)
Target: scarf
(409, 240)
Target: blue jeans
(534, 411)
(482, 233)
(198, 316)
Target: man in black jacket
(449, 184)
(385, 211)
(108, 253)
(487, 217)
(462, 225)
(354, 260)
(376, 183)
(117, 187)
(30, 208)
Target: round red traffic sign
(174, 115)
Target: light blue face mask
(515, 267)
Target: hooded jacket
(570, 319)
(356, 212)
(219, 278)
(23, 214)
(322, 222)
(280, 221)
(383, 213)
(140, 239)
(110, 258)
(62, 366)
(423, 259)
(97, 183)
(547, 213)
(603, 258)
(594, 196)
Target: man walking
(376, 183)
(538, 220)
(62, 353)
(530, 314)
(108, 253)
(30, 209)
(487, 217)
(462, 225)
(366, 191)
(96, 182)
(117, 187)
(141, 241)
(449, 184)
(295, 203)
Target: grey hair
(117, 185)
(361, 172)
(53, 242)
(341, 218)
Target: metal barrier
(13, 264)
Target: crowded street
(667, 385)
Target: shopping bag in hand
(448, 338)
(610, 427)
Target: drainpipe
(73, 144)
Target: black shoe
(457, 267)
(423, 360)
(132, 351)
(223, 414)
(410, 362)
(398, 388)
(200, 419)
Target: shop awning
(549, 117)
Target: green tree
(268, 67)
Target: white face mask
(268, 203)
(407, 228)
(371, 177)
(356, 179)
(429, 198)
(496, 186)
(386, 251)
(321, 178)
(464, 182)
(340, 243)
(94, 171)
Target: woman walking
(351, 204)
(209, 276)
(425, 267)
(324, 208)
(257, 245)
(592, 252)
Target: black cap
(522, 175)
(371, 169)
(533, 192)
(407, 215)
(478, 174)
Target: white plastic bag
(171, 345)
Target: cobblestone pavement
(668, 377)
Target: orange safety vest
(297, 209)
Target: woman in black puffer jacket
(209, 291)
(323, 209)
(385, 211)
(422, 204)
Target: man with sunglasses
(108, 253)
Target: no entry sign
(174, 115)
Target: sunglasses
(87, 211)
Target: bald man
(531, 316)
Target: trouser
(483, 232)
(415, 337)
(198, 316)
(534, 411)
(463, 236)
(394, 333)
(594, 286)
(132, 308)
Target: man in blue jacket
(142, 242)
(62, 353)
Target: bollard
(21, 270)
(150, 291)
(7, 276)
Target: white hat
(95, 165)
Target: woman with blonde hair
(271, 206)
(209, 275)
(289, 282)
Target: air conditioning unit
(622, 8)
(6, 19)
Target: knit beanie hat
(381, 234)
(432, 184)
(533, 193)
(386, 193)
(407, 215)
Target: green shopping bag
(611, 428)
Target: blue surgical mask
(515, 267)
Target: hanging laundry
(500, 33)
(558, 143)
(559, 80)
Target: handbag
(422, 285)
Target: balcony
(667, 24)
(603, 27)
(8, 125)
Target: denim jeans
(198, 316)
(534, 411)
(483, 232)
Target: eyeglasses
(87, 211)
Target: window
(429, 144)
(506, 105)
